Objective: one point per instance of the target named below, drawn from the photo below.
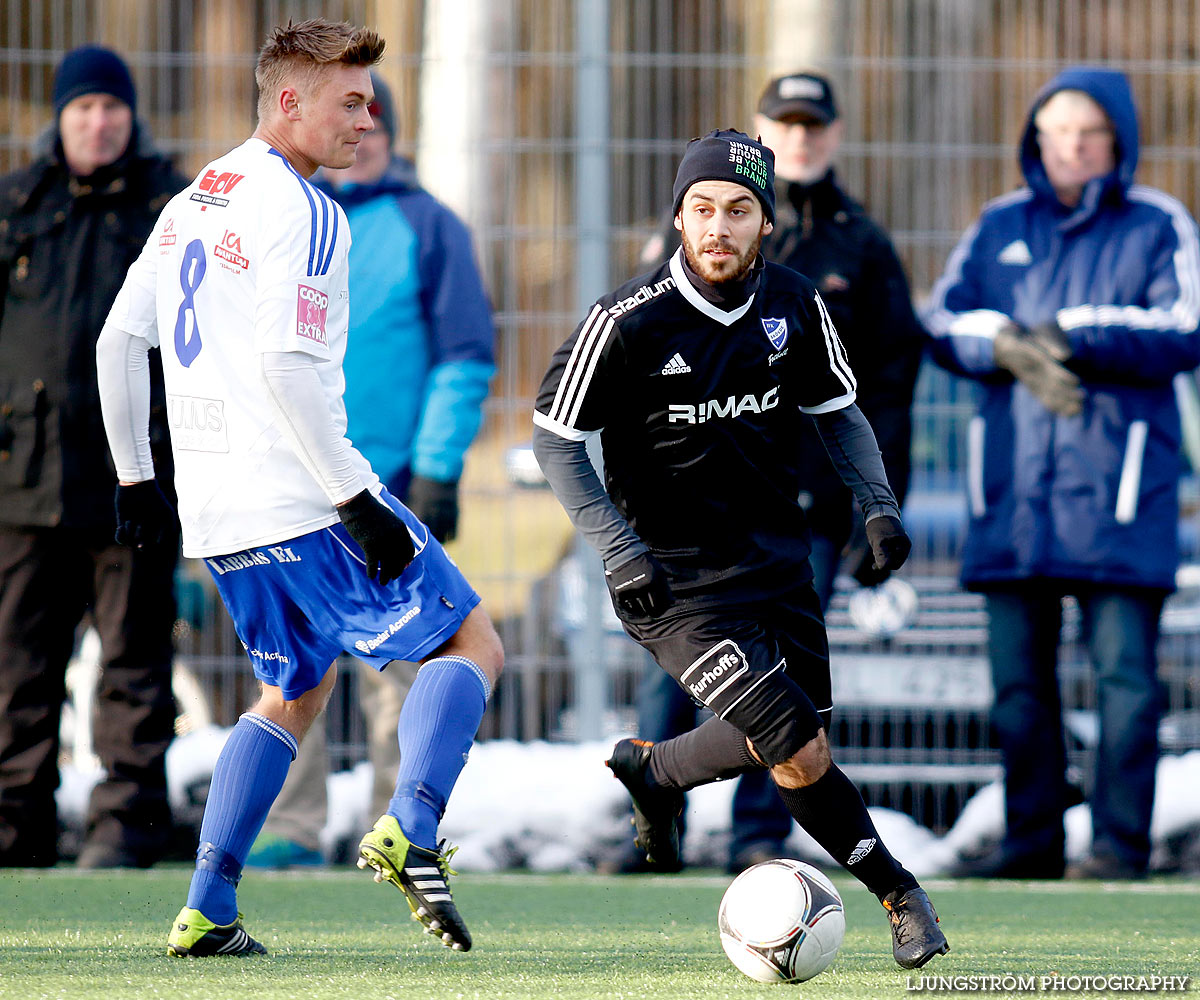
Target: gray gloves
(1036, 358)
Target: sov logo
(312, 307)
(213, 184)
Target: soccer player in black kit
(696, 377)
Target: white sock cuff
(467, 662)
(275, 729)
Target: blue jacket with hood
(421, 343)
(1093, 497)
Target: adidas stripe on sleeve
(826, 382)
(297, 302)
(575, 392)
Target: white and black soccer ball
(883, 611)
(781, 922)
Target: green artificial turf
(338, 934)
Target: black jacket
(828, 237)
(65, 245)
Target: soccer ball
(883, 611)
(781, 922)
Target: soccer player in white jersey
(243, 286)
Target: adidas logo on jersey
(676, 366)
(862, 849)
(1015, 253)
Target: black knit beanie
(728, 155)
(92, 70)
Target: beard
(729, 269)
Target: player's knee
(806, 765)
(298, 714)
(483, 644)
(785, 732)
(491, 656)
(477, 640)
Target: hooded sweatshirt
(421, 347)
(1092, 497)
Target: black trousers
(50, 578)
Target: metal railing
(933, 95)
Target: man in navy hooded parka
(1074, 302)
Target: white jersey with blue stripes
(249, 258)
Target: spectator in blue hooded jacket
(1074, 302)
(417, 367)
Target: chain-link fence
(554, 127)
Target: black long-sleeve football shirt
(698, 409)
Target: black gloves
(435, 503)
(145, 518)
(1035, 357)
(890, 546)
(639, 587)
(864, 570)
(380, 533)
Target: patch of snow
(556, 807)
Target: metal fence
(554, 127)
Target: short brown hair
(304, 49)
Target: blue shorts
(300, 603)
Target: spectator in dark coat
(71, 223)
(1074, 302)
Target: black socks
(831, 809)
(833, 813)
(712, 751)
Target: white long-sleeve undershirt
(123, 377)
(295, 390)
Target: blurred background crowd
(552, 129)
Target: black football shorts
(764, 667)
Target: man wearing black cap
(696, 376)
(71, 223)
(827, 236)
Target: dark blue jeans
(1121, 626)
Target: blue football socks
(247, 778)
(437, 727)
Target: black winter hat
(807, 95)
(92, 70)
(728, 155)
